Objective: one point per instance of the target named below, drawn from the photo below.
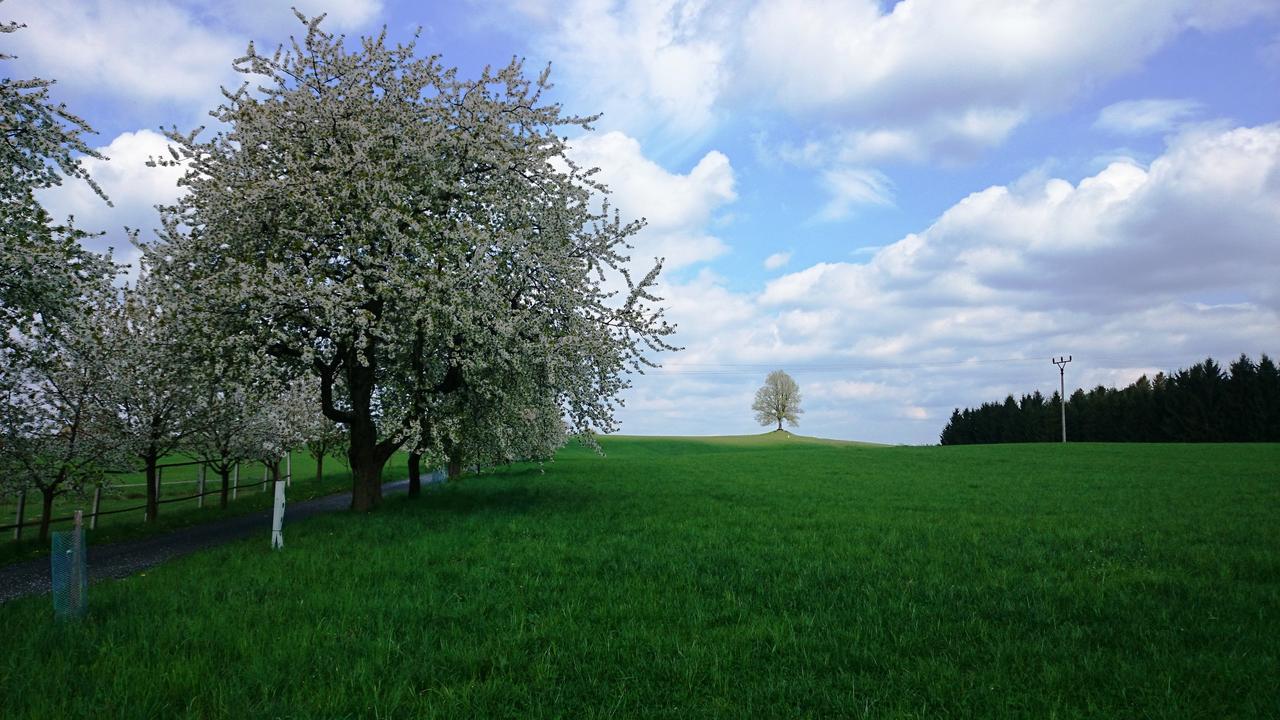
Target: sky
(908, 206)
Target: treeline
(1203, 403)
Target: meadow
(769, 576)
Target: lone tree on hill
(778, 400)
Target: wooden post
(159, 475)
(277, 517)
(77, 580)
(288, 469)
(22, 509)
(97, 503)
(266, 475)
(235, 480)
(200, 488)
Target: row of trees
(368, 245)
(1203, 403)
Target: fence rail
(96, 513)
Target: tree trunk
(225, 474)
(366, 484)
(455, 464)
(153, 497)
(367, 460)
(319, 468)
(779, 423)
(46, 513)
(365, 454)
(415, 477)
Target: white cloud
(677, 207)
(643, 64)
(1121, 269)
(939, 78)
(151, 54)
(146, 51)
(953, 77)
(907, 81)
(1140, 117)
(134, 190)
(777, 260)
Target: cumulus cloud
(169, 56)
(145, 51)
(1126, 269)
(643, 64)
(676, 207)
(1141, 117)
(134, 190)
(910, 80)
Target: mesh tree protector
(70, 574)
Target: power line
(725, 369)
(754, 368)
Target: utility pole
(1061, 362)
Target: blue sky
(909, 206)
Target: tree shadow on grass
(515, 493)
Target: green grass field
(763, 577)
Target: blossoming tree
(399, 232)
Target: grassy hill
(771, 576)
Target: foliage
(149, 383)
(1202, 403)
(55, 437)
(398, 233)
(45, 274)
(777, 400)
(282, 421)
(322, 436)
(765, 577)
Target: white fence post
(97, 503)
(200, 489)
(277, 518)
(22, 510)
(235, 480)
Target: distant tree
(1268, 389)
(226, 435)
(324, 437)
(282, 422)
(777, 400)
(150, 386)
(1202, 403)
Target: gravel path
(116, 560)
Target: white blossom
(403, 235)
